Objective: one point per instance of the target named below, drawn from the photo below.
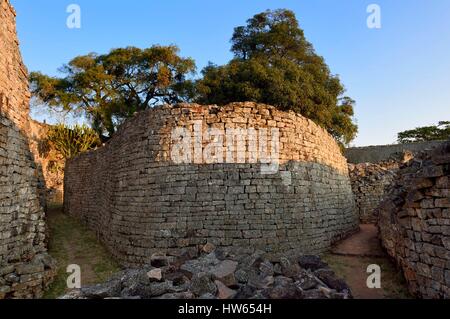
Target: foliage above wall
(438, 132)
(275, 64)
(110, 88)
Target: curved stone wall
(142, 199)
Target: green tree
(109, 88)
(427, 133)
(274, 63)
(71, 141)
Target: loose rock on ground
(223, 274)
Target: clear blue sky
(399, 75)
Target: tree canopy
(426, 133)
(110, 88)
(274, 63)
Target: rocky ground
(222, 274)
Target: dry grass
(73, 243)
(354, 270)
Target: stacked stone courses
(414, 222)
(25, 267)
(370, 183)
(139, 201)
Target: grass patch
(73, 243)
(353, 270)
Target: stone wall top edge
(393, 145)
(199, 108)
(164, 111)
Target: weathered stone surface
(383, 153)
(155, 274)
(204, 285)
(208, 248)
(225, 272)
(25, 267)
(307, 281)
(141, 201)
(200, 265)
(311, 262)
(101, 291)
(413, 222)
(370, 182)
(283, 288)
(50, 162)
(223, 292)
(330, 279)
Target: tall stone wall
(50, 163)
(25, 267)
(370, 183)
(140, 201)
(14, 93)
(414, 223)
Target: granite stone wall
(414, 223)
(381, 153)
(50, 162)
(140, 199)
(25, 267)
(370, 182)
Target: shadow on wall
(25, 267)
(414, 223)
(140, 202)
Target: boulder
(224, 272)
(223, 292)
(330, 279)
(155, 274)
(108, 289)
(202, 283)
(311, 262)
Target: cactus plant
(70, 141)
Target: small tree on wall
(275, 64)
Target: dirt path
(365, 243)
(72, 243)
(351, 257)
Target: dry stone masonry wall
(50, 162)
(25, 267)
(414, 223)
(383, 153)
(140, 201)
(370, 182)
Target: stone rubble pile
(414, 222)
(222, 274)
(27, 279)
